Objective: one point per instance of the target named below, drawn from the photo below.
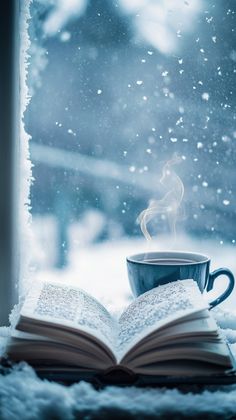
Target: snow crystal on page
(71, 306)
(158, 306)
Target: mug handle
(210, 284)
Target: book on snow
(164, 334)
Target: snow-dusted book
(166, 331)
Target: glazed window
(119, 88)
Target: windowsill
(22, 387)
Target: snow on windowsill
(26, 396)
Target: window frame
(9, 155)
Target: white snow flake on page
(70, 306)
(59, 302)
(155, 308)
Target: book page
(157, 308)
(70, 306)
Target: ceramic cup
(152, 269)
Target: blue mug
(152, 269)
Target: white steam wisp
(169, 204)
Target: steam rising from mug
(169, 204)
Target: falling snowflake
(205, 96)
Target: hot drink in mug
(151, 269)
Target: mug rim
(167, 254)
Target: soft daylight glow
(162, 23)
(62, 12)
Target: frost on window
(119, 88)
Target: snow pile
(24, 396)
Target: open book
(166, 331)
